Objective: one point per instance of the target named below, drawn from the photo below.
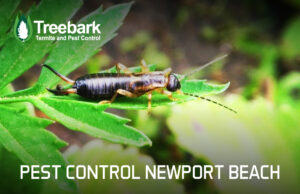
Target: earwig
(107, 86)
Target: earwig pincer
(107, 86)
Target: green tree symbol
(23, 28)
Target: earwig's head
(173, 83)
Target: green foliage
(90, 118)
(138, 40)
(290, 45)
(23, 133)
(246, 40)
(142, 121)
(146, 48)
(260, 133)
(267, 55)
(20, 131)
(21, 107)
(153, 55)
(287, 90)
(209, 33)
(7, 9)
(97, 152)
(17, 57)
(69, 55)
(10, 175)
(96, 62)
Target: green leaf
(90, 118)
(200, 87)
(7, 9)
(26, 137)
(6, 90)
(290, 45)
(69, 55)
(10, 175)
(21, 107)
(17, 57)
(286, 89)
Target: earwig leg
(167, 72)
(109, 101)
(144, 66)
(170, 95)
(126, 93)
(149, 101)
(121, 92)
(122, 67)
(104, 102)
(167, 93)
(62, 92)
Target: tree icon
(22, 28)
(23, 31)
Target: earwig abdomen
(100, 85)
(105, 85)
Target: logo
(23, 28)
(55, 32)
(69, 31)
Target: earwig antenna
(203, 66)
(210, 100)
(68, 80)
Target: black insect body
(107, 86)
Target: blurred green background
(262, 39)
